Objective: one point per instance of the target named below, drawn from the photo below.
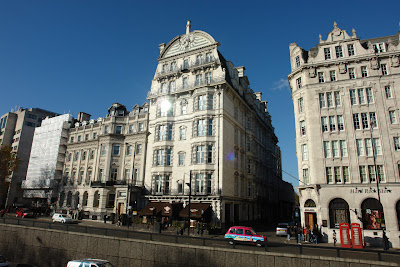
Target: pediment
(187, 42)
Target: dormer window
(379, 47)
(350, 49)
(327, 52)
(120, 112)
(297, 61)
(339, 51)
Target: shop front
(331, 205)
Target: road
(275, 244)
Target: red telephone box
(356, 235)
(345, 240)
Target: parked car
(246, 235)
(62, 218)
(24, 213)
(3, 262)
(89, 263)
(282, 229)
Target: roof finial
(334, 24)
(188, 27)
(320, 38)
(354, 33)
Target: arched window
(310, 203)
(338, 212)
(69, 198)
(398, 213)
(96, 199)
(85, 199)
(372, 214)
(61, 200)
(76, 199)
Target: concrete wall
(44, 247)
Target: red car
(24, 213)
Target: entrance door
(311, 219)
(121, 209)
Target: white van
(89, 263)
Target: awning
(159, 208)
(197, 210)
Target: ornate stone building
(104, 163)
(210, 131)
(345, 94)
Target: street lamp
(190, 194)
(128, 204)
(385, 241)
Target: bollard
(338, 252)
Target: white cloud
(282, 84)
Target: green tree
(8, 163)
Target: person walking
(298, 236)
(334, 237)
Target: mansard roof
(186, 42)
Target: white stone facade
(345, 94)
(206, 120)
(104, 163)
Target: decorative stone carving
(342, 68)
(374, 63)
(394, 61)
(353, 33)
(311, 72)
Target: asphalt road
(275, 244)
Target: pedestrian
(307, 234)
(303, 234)
(298, 235)
(105, 218)
(288, 233)
(314, 236)
(334, 237)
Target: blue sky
(84, 55)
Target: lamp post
(190, 194)
(130, 184)
(384, 237)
